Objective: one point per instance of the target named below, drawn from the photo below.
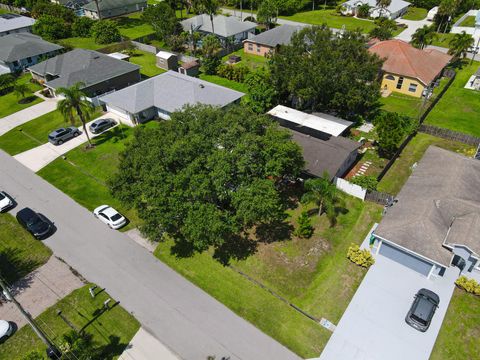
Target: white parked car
(5, 201)
(6, 329)
(110, 216)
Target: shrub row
(469, 285)
(233, 72)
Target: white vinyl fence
(350, 188)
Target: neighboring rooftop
(19, 46)
(87, 66)
(170, 91)
(403, 59)
(224, 26)
(394, 6)
(164, 55)
(10, 22)
(110, 4)
(280, 35)
(324, 155)
(439, 204)
(324, 123)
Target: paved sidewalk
(39, 157)
(145, 346)
(23, 116)
(39, 290)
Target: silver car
(59, 136)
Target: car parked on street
(59, 136)
(5, 201)
(6, 329)
(100, 125)
(422, 310)
(35, 223)
(110, 216)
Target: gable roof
(170, 91)
(9, 22)
(224, 26)
(403, 59)
(111, 4)
(80, 65)
(280, 35)
(440, 203)
(19, 46)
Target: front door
(459, 262)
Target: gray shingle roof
(23, 45)
(225, 26)
(111, 4)
(79, 65)
(439, 203)
(170, 91)
(324, 154)
(281, 35)
(9, 22)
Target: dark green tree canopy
(51, 28)
(208, 176)
(105, 32)
(323, 72)
(163, 20)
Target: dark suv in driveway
(35, 223)
(101, 125)
(59, 136)
(422, 310)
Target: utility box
(167, 61)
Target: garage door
(406, 259)
(118, 112)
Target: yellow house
(408, 70)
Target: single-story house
(98, 72)
(396, 8)
(163, 94)
(409, 70)
(319, 136)
(435, 221)
(14, 23)
(111, 8)
(268, 41)
(226, 28)
(21, 50)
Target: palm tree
(75, 103)
(383, 4)
(459, 45)
(447, 8)
(423, 36)
(20, 90)
(322, 192)
(98, 9)
(210, 7)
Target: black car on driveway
(35, 223)
(422, 310)
(100, 125)
(59, 136)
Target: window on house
(29, 60)
(15, 63)
(250, 47)
(258, 48)
(412, 87)
(390, 77)
(400, 82)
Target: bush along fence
(449, 134)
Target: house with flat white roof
(396, 8)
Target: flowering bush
(360, 257)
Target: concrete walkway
(23, 116)
(39, 157)
(39, 290)
(145, 346)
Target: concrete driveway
(373, 326)
(412, 26)
(39, 157)
(145, 346)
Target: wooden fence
(379, 197)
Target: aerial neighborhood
(239, 179)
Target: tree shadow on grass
(113, 349)
(274, 232)
(236, 247)
(128, 23)
(27, 100)
(14, 266)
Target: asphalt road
(182, 316)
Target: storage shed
(167, 61)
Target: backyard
(147, 61)
(415, 13)
(20, 253)
(111, 330)
(458, 337)
(251, 61)
(9, 102)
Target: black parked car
(59, 136)
(422, 310)
(101, 125)
(35, 223)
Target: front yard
(458, 338)
(111, 330)
(9, 103)
(415, 13)
(20, 253)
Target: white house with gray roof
(98, 72)
(163, 94)
(435, 221)
(224, 27)
(21, 50)
(396, 8)
(14, 23)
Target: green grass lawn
(111, 330)
(459, 109)
(132, 26)
(458, 337)
(34, 132)
(20, 252)
(415, 13)
(9, 102)
(148, 63)
(402, 104)
(469, 21)
(443, 40)
(398, 174)
(249, 60)
(224, 82)
(332, 19)
(83, 43)
(307, 272)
